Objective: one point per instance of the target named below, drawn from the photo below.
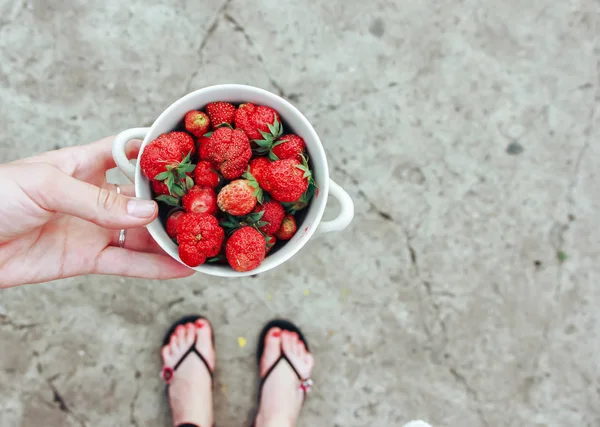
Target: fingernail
(141, 208)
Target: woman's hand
(59, 218)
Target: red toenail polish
(276, 334)
(199, 324)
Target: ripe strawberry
(245, 249)
(288, 228)
(237, 198)
(205, 175)
(159, 154)
(288, 179)
(172, 222)
(167, 159)
(196, 122)
(160, 188)
(185, 141)
(288, 147)
(271, 240)
(273, 214)
(220, 113)
(303, 201)
(259, 168)
(199, 237)
(228, 150)
(257, 121)
(200, 200)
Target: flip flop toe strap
(167, 372)
(305, 383)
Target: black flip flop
(167, 372)
(284, 325)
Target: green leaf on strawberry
(269, 138)
(255, 216)
(276, 129)
(304, 167)
(176, 177)
(169, 200)
(230, 223)
(265, 143)
(170, 182)
(162, 176)
(254, 219)
(258, 192)
(189, 182)
(303, 201)
(178, 191)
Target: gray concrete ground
(464, 293)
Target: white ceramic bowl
(310, 226)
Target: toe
(295, 340)
(272, 351)
(288, 342)
(173, 344)
(189, 335)
(203, 331)
(273, 338)
(179, 338)
(166, 355)
(310, 361)
(204, 344)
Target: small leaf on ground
(562, 256)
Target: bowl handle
(118, 150)
(346, 211)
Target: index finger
(97, 157)
(83, 161)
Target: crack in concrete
(559, 229)
(132, 419)
(471, 392)
(372, 206)
(240, 28)
(173, 303)
(427, 285)
(413, 257)
(584, 147)
(57, 397)
(6, 321)
(209, 33)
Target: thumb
(59, 192)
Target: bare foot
(281, 398)
(190, 388)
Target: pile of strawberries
(235, 182)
